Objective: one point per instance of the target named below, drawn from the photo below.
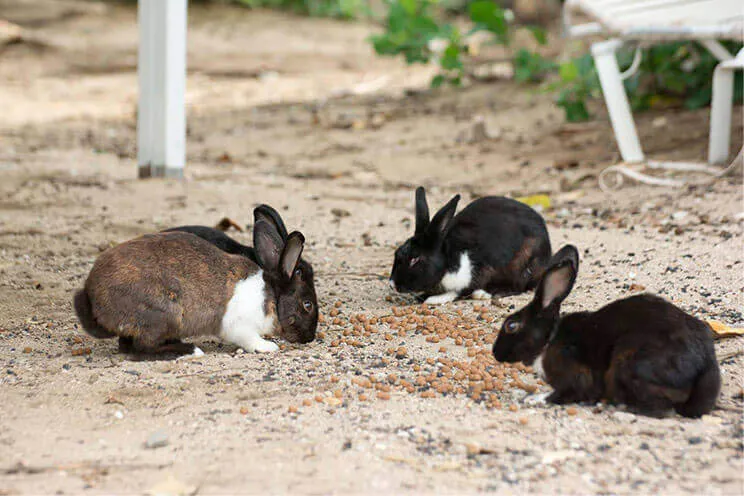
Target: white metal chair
(646, 22)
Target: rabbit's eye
(308, 305)
(298, 272)
(414, 261)
(511, 326)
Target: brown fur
(514, 276)
(162, 287)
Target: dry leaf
(536, 201)
(722, 330)
(226, 223)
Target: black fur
(219, 239)
(507, 243)
(84, 311)
(226, 243)
(641, 351)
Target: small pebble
(157, 439)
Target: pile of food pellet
(475, 375)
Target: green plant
(577, 82)
(672, 73)
(412, 25)
(342, 9)
(531, 67)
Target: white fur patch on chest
(461, 278)
(245, 316)
(537, 366)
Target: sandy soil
(273, 117)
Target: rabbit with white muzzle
(495, 245)
(154, 290)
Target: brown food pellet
(27, 349)
(523, 421)
(513, 408)
(338, 393)
(571, 410)
(382, 395)
(333, 312)
(244, 410)
(292, 409)
(307, 402)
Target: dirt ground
(298, 113)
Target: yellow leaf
(538, 202)
(722, 330)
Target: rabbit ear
(268, 244)
(441, 221)
(422, 210)
(560, 277)
(291, 253)
(268, 214)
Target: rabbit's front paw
(440, 299)
(264, 346)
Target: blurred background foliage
(441, 32)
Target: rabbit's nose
(392, 285)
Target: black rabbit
(641, 351)
(226, 243)
(494, 245)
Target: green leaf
(451, 58)
(699, 99)
(540, 34)
(575, 111)
(569, 71)
(491, 17)
(437, 81)
(409, 6)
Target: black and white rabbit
(641, 351)
(154, 290)
(494, 245)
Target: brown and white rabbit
(494, 245)
(154, 290)
(641, 351)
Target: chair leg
(616, 100)
(720, 115)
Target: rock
(710, 419)
(157, 439)
(9, 32)
(558, 456)
(695, 440)
(171, 486)
(340, 212)
(624, 417)
(659, 122)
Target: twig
(729, 356)
(22, 468)
(209, 372)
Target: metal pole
(161, 115)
